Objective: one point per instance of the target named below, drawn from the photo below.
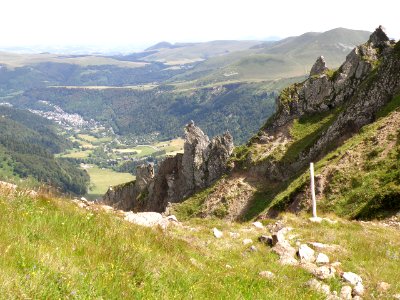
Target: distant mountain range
(209, 82)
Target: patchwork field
(101, 179)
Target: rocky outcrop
(366, 81)
(319, 67)
(178, 177)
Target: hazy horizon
(128, 26)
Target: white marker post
(314, 202)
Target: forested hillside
(27, 147)
(240, 108)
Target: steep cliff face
(178, 177)
(313, 118)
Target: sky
(145, 22)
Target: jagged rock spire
(319, 66)
(378, 37)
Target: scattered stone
(309, 267)
(319, 66)
(286, 252)
(172, 218)
(359, 289)
(315, 219)
(357, 298)
(147, 219)
(247, 241)
(383, 287)
(253, 248)
(283, 248)
(319, 286)
(352, 278)
(218, 234)
(306, 254)
(234, 235)
(258, 225)
(107, 208)
(333, 296)
(81, 204)
(396, 296)
(322, 259)
(288, 260)
(267, 274)
(265, 239)
(324, 272)
(345, 292)
(279, 236)
(228, 266)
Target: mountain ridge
(313, 118)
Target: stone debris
(218, 234)
(325, 272)
(9, 188)
(234, 235)
(172, 218)
(333, 296)
(351, 278)
(247, 241)
(147, 219)
(359, 289)
(396, 296)
(322, 259)
(228, 266)
(306, 254)
(383, 287)
(253, 248)
(279, 236)
(266, 239)
(315, 219)
(258, 225)
(283, 248)
(309, 267)
(267, 274)
(346, 292)
(318, 286)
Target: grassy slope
(55, 250)
(52, 249)
(362, 174)
(289, 57)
